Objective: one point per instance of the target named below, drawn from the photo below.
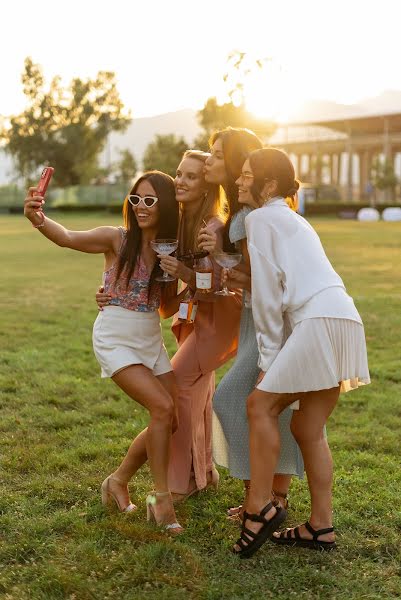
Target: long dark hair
(270, 164)
(237, 143)
(163, 185)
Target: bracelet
(42, 221)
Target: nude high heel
(108, 496)
(151, 502)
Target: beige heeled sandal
(151, 501)
(213, 482)
(108, 496)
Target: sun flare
(267, 93)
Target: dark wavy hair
(163, 185)
(272, 164)
(237, 143)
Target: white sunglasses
(148, 201)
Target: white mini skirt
(123, 337)
(319, 354)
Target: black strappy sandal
(249, 541)
(285, 538)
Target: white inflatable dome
(392, 213)
(368, 214)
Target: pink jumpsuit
(203, 346)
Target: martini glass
(164, 247)
(227, 260)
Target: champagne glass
(164, 247)
(227, 260)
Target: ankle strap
(118, 479)
(317, 532)
(153, 496)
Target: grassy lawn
(62, 430)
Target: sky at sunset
(171, 54)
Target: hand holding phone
(44, 180)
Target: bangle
(42, 221)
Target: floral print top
(134, 296)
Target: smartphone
(44, 180)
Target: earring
(205, 195)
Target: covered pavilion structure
(341, 151)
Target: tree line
(68, 127)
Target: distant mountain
(388, 102)
(142, 131)
(320, 110)
(184, 123)
(316, 110)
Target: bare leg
(139, 383)
(137, 453)
(263, 411)
(134, 459)
(281, 485)
(264, 444)
(307, 427)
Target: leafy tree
(64, 127)
(164, 153)
(127, 166)
(218, 116)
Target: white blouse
(292, 278)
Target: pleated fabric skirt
(320, 354)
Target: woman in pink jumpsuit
(212, 339)
(204, 345)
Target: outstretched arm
(96, 241)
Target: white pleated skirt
(320, 354)
(123, 337)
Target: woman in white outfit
(294, 287)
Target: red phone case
(44, 180)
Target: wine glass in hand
(164, 247)
(227, 260)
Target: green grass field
(62, 430)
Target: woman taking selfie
(127, 337)
(205, 342)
